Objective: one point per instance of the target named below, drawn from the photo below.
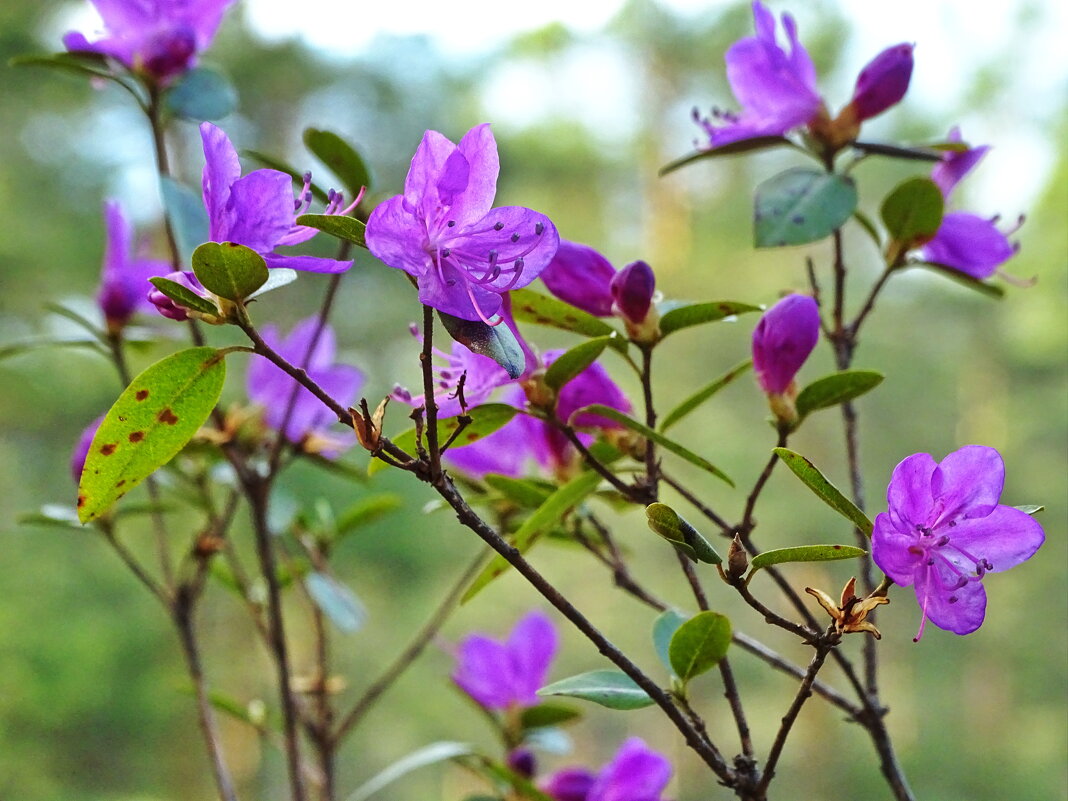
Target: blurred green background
(92, 699)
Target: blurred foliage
(93, 702)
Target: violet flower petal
(883, 81)
(783, 340)
(955, 165)
(909, 495)
(632, 290)
(531, 646)
(636, 773)
(961, 615)
(569, 784)
(969, 243)
(581, 276)
(482, 671)
(1006, 537)
(260, 210)
(968, 483)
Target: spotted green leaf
(824, 489)
(149, 424)
(699, 313)
(801, 205)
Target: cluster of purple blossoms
(777, 89)
(966, 242)
(158, 38)
(443, 231)
(124, 277)
(945, 530)
(505, 675)
(291, 409)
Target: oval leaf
(230, 270)
(610, 688)
(550, 713)
(341, 226)
(495, 341)
(149, 424)
(801, 205)
(699, 644)
(703, 394)
(336, 601)
(485, 419)
(532, 307)
(340, 157)
(670, 525)
(571, 362)
(824, 489)
(201, 94)
(664, 628)
(545, 516)
(836, 388)
(667, 444)
(913, 210)
(183, 296)
(700, 313)
(805, 553)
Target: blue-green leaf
(495, 341)
(201, 94)
(801, 205)
(611, 688)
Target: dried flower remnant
(850, 613)
(945, 530)
(443, 231)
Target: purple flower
(966, 242)
(581, 276)
(945, 530)
(271, 388)
(258, 210)
(443, 232)
(636, 773)
(499, 675)
(776, 87)
(172, 309)
(124, 279)
(160, 38)
(782, 340)
(81, 449)
(632, 291)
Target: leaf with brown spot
(149, 424)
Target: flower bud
(169, 53)
(782, 340)
(581, 276)
(523, 762)
(883, 82)
(570, 784)
(737, 559)
(632, 293)
(171, 308)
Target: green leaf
(731, 149)
(699, 644)
(824, 489)
(700, 313)
(149, 424)
(1030, 509)
(282, 166)
(571, 362)
(913, 210)
(346, 228)
(495, 341)
(336, 601)
(703, 394)
(893, 151)
(805, 553)
(541, 520)
(836, 388)
(83, 63)
(990, 290)
(523, 492)
(532, 307)
(667, 444)
(52, 515)
(366, 511)
(610, 688)
(186, 213)
(549, 713)
(420, 758)
(340, 157)
(184, 296)
(201, 94)
(230, 270)
(670, 525)
(664, 628)
(485, 419)
(801, 205)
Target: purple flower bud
(170, 53)
(570, 784)
(632, 291)
(523, 762)
(581, 276)
(783, 339)
(170, 308)
(883, 82)
(81, 450)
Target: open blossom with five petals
(776, 87)
(966, 242)
(444, 232)
(258, 210)
(308, 423)
(124, 278)
(945, 530)
(501, 675)
(635, 773)
(159, 38)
